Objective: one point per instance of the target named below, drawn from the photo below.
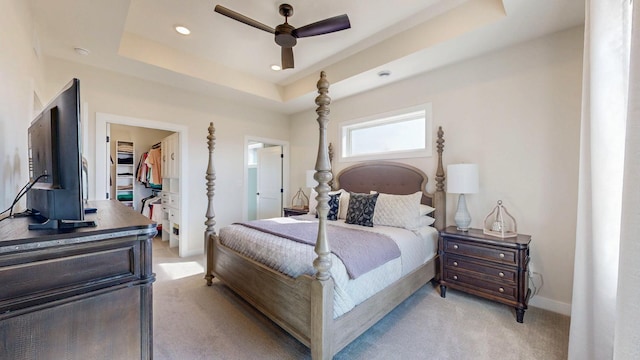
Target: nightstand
(294, 211)
(486, 266)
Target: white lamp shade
(311, 182)
(462, 179)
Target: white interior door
(269, 182)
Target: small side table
(294, 211)
(486, 266)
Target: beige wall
(107, 92)
(516, 113)
(20, 76)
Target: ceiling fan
(286, 35)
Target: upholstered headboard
(384, 177)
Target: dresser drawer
(484, 252)
(488, 271)
(174, 200)
(508, 292)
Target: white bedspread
(294, 259)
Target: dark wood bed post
(439, 197)
(322, 288)
(210, 232)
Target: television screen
(55, 158)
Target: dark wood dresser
(486, 266)
(78, 294)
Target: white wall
(111, 93)
(516, 113)
(20, 75)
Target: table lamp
(311, 182)
(462, 179)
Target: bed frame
(304, 306)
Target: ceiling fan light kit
(286, 35)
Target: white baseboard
(551, 305)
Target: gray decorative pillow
(361, 209)
(334, 207)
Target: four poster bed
(315, 297)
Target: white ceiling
(228, 59)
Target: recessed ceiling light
(81, 51)
(275, 67)
(183, 30)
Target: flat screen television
(55, 159)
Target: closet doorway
(145, 182)
(115, 128)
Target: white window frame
(345, 128)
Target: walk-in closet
(144, 175)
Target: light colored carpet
(194, 321)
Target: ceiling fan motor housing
(284, 37)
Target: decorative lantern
(500, 223)
(300, 200)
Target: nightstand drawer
(490, 253)
(500, 274)
(502, 290)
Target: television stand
(49, 224)
(79, 294)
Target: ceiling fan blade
(287, 58)
(336, 23)
(243, 19)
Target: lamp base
(462, 217)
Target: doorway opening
(266, 178)
(102, 183)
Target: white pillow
(424, 221)
(398, 210)
(343, 204)
(426, 209)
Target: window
(401, 134)
(252, 153)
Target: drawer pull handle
(501, 290)
(455, 277)
(501, 274)
(501, 255)
(455, 263)
(455, 246)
